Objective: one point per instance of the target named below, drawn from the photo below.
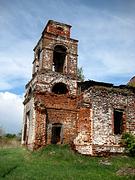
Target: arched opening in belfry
(60, 88)
(59, 55)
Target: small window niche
(39, 54)
(118, 121)
(60, 28)
(30, 91)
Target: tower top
(57, 28)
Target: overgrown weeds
(8, 142)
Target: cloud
(106, 34)
(106, 47)
(106, 37)
(16, 68)
(11, 110)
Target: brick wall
(51, 109)
(104, 100)
(84, 132)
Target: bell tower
(55, 55)
(50, 99)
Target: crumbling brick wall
(104, 100)
(51, 109)
(84, 131)
(57, 34)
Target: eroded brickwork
(83, 140)
(57, 109)
(103, 101)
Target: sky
(106, 50)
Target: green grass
(59, 163)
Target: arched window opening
(59, 56)
(60, 88)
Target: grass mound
(60, 162)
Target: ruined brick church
(58, 109)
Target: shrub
(128, 140)
(8, 135)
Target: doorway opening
(56, 133)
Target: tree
(80, 75)
(132, 82)
(8, 135)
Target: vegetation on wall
(80, 75)
(128, 140)
(132, 82)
